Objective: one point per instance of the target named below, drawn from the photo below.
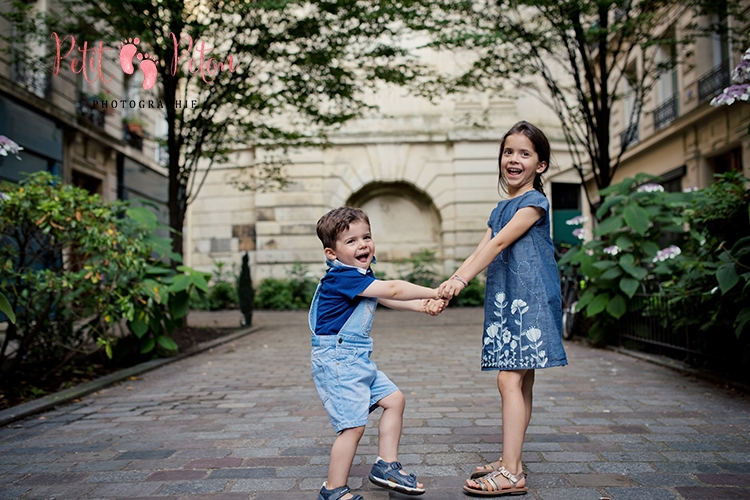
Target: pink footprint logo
(147, 66)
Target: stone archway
(404, 219)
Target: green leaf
(624, 242)
(179, 305)
(617, 306)
(604, 264)
(637, 218)
(199, 280)
(148, 345)
(584, 300)
(609, 225)
(598, 304)
(727, 277)
(167, 343)
(627, 262)
(609, 202)
(611, 274)
(180, 283)
(143, 216)
(650, 249)
(7, 309)
(138, 327)
(629, 286)
(742, 317)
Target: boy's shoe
(336, 493)
(389, 475)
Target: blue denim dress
(522, 304)
(347, 380)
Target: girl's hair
(541, 147)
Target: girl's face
(519, 164)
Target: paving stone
(245, 422)
(706, 493)
(641, 493)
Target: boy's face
(354, 247)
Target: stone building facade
(426, 179)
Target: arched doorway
(403, 218)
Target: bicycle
(571, 283)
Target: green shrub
(75, 268)
(636, 218)
(294, 292)
(471, 296)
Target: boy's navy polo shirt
(339, 290)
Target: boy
(348, 382)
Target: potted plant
(96, 100)
(134, 125)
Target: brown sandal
(489, 487)
(483, 470)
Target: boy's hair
(541, 147)
(335, 222)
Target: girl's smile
(520, 164)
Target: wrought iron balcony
(666, 112)
(629, 136)
(90, 111)
(714, 82)
(38, 82)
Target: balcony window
(714, 82)
(666, 112)
(629, 136)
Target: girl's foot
(496, 483)
(483, 470)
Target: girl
(523, 308)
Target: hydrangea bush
(740, 91)
(635, 247)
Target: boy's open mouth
(362, 257)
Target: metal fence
(650, 327)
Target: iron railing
(666, 112)
(629, 136)
(714, 82)
(650, 327)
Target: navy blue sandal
(388, 475)
(336, 493)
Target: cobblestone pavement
(243, 421)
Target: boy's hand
(433, 307)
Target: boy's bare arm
(431, 307)
(398, 290)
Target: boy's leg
(342, 456)
(390, 427)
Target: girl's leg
(390, 426)
(527, 386)
(342, 456)
(515, 388)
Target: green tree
(573, 55)
(299, 70)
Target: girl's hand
(451, 287)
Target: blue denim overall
(347, 380)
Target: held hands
(433, 307)
(452, 287)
